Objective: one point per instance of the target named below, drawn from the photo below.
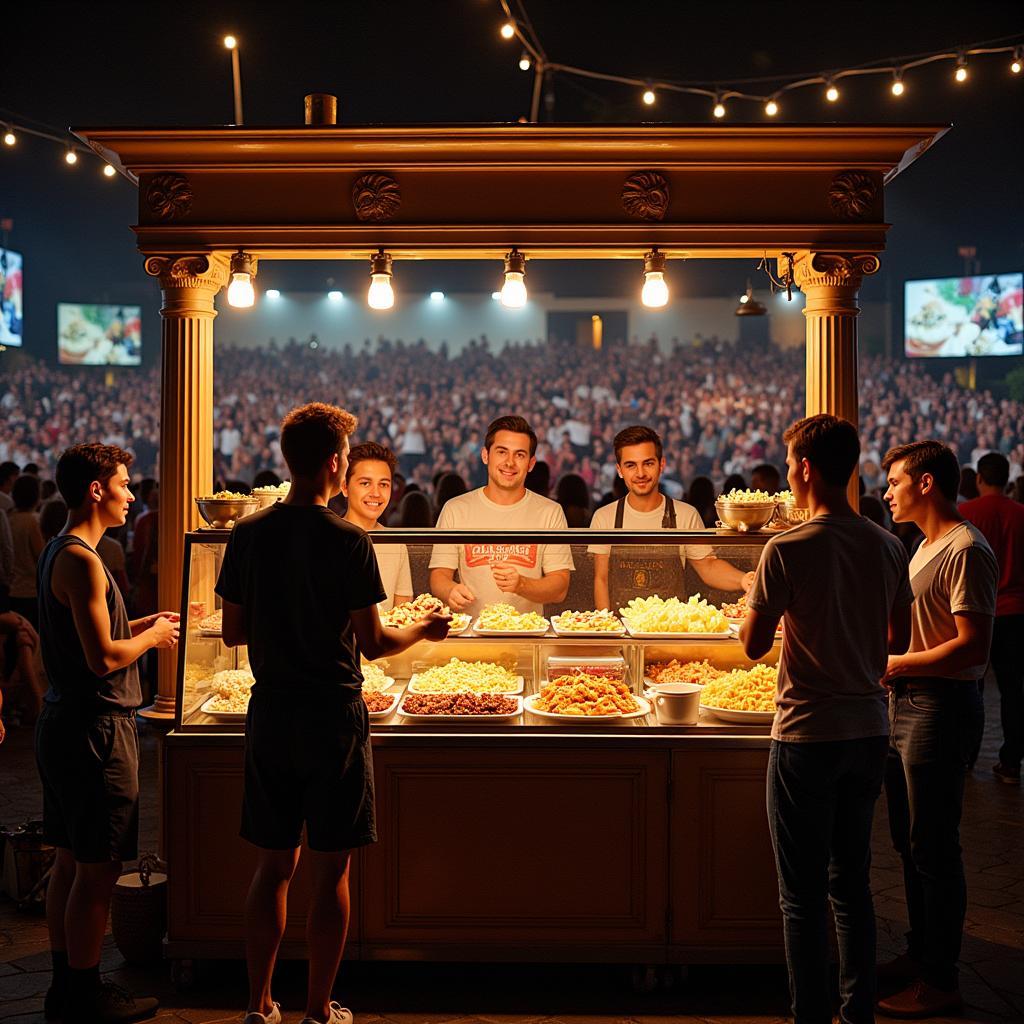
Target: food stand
(607, 867)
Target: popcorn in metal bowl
(223, 509)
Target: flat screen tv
(964, 316)
(12, 298)
(93, 335)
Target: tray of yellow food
(458, 676)
(505, 620)
(410, 612)
(212, 624)
(674, 671)
(744, 696)
(461, 707)
(375, 679)
(229, 697)
(587, 698)
(590, 623)
(736, 612)
(655, 618)
(380, 705)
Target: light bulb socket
(654, 262)
(515, 262)
(243, 263)
(380, 263)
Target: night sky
(98, 64)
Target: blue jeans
(821, 800)
(936, 727)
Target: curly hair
(82, 464)
(311, 434)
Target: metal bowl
(267, 498)
(792, 515)
(744, 517)
(222, 513)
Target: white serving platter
(611, 634)
(530, 705)
(224, 716)
(480, 631)
(414, 688)
(395, 697)
(740, 717)
(638, 634)
(390, 682)
(452, 631)
(467, 718)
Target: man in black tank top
(87, 748)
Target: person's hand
(150, 620)
(460, 597)
(895, 668)
(435, 626)
(747, 582)
(165, 630)
(506, 576)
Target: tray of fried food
(659, 618)
(380, 704)
(506, 620)
(458, 676)
(410, 612)
(744, 695)
(675, 671)
(212, 624)
(461, 707)
(229, 695)
(736, 612)
(586, 697)
(588, 623)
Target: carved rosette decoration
(169, 196)
(852, 194)
(189, 271)
(645, 195)
(376, 197)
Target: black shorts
(89, 766)
(308, 762)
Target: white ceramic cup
(675, 703)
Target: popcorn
(750, 689)
(466, 677)
(655, 615)
(507, 619)
(602, 621)
(738, 497)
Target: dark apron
(643, 570)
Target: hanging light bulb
(9, 137)
(108, 170)
(508, 30)
(513, 291)
(771, 108)
(897, 87)
(961, 69)
(71, 157)
(649, 96)
(381, 295)
(1018, 54)
(749, 306)
(240, 291)
(831, 93)
(654, 294)
(524, 62)
(719, 108)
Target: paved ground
(992, 973)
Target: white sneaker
(339, 1015)
(274, 1017)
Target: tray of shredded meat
(380, 705)
(460, 707)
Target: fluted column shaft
(189, 285)
(830, 284)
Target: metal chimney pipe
(321, 109)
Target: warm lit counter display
(530, 804)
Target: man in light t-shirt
(640, 570)
(527, 576)
(936, 719)
(367, 487)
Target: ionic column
(189, 284)
(830, 283)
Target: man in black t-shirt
(300, 586)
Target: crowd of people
(720, 408)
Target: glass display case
(674, 624)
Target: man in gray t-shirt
(840, 584)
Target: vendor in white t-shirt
(368, 489)
(629, 571)
(524, 575)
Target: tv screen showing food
(12, 298)
(964, 316)
(91, 335)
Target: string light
(719, 109)
(513, 291)
(241, 293)
(771, 108)
(71, 157)
(108, 170)
(649, 97)
(831, 93)
(1016, 65)
(524, 62)
(654, 294)
(381, 294)
(508, 30)
(961, 69)
(10, 138)
(897, 87)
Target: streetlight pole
(236, 77)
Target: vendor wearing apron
(629, 571)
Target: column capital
(207, 272)
(830, 270)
